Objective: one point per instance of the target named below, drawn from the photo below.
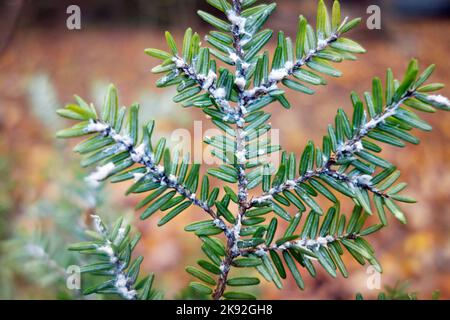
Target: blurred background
(45, 204)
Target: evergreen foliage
(112, 249)
(240, 230)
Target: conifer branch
(345, 150)
(238, 31)
(112, 249)
(141, 155)
(208, 83)
(289, 68)
(346, 162)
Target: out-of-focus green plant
(36, 249)
(35, 255)
(33, 251)
(43, 100)
(400, 291)
(347, 163)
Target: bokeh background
(44, 203)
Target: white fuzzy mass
(280, 74)
(240, 82)
(237, 20)
(100, 174)
(122, 289)
(240, 155)
(208, 80)
(139, 153)
(98, 224)
(173, 179)
(364, 180)
(179, 63)
(95, 126)
(439, 99)
(233, 56)
(138, 176)
(108, 250)
(220, 93)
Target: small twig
(140, 156)
(307, 244)
(207, 83)
(255, 93)
(346, 149)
